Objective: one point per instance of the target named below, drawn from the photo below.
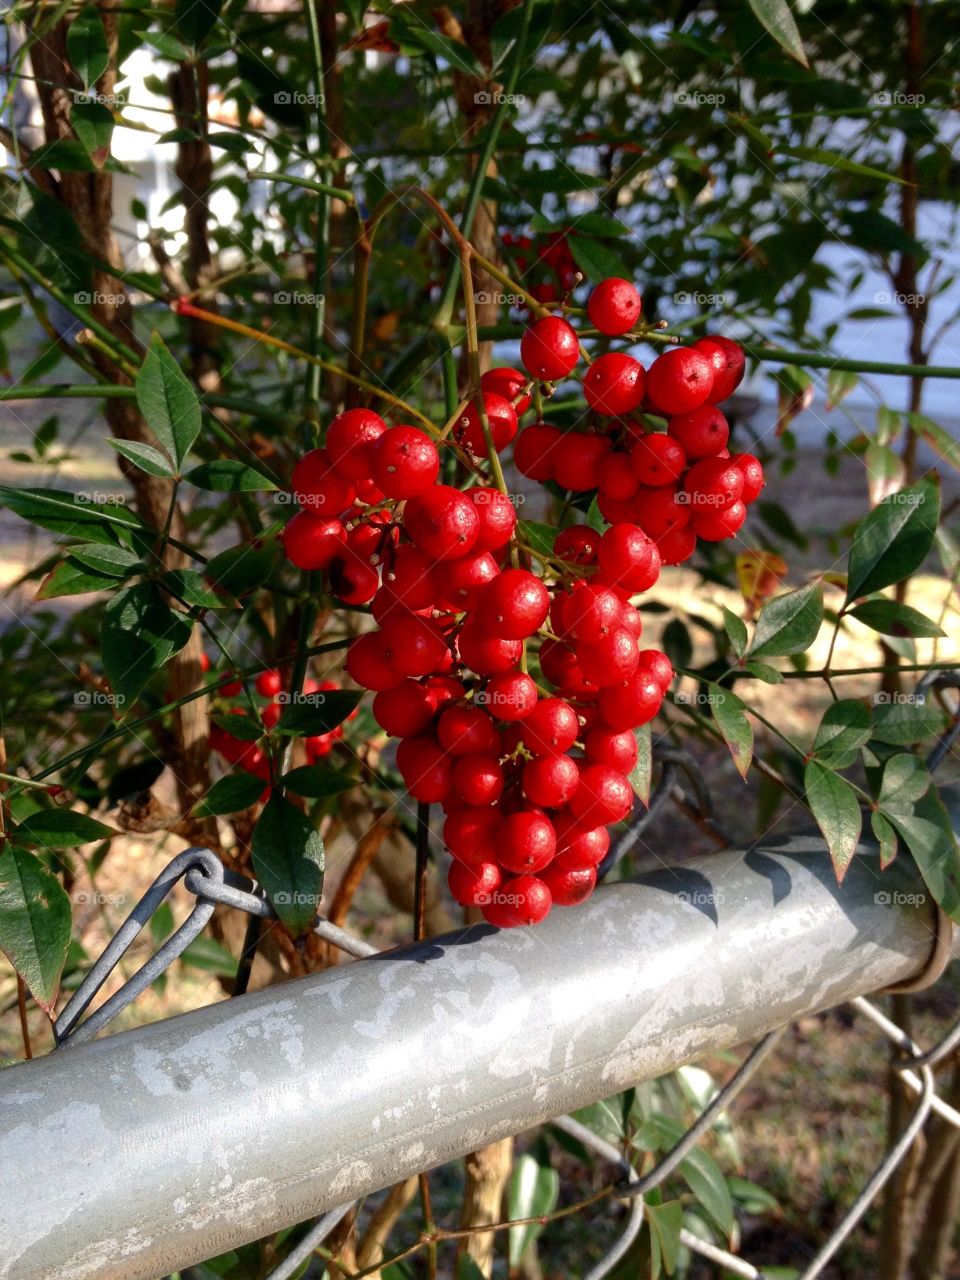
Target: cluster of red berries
(551, 260)
(530, 778)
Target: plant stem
(420, 882)
(321, 188)
(321, 242)
(22, 1009)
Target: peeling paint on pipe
(141, 1153)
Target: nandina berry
(703, 432)
(498, 518)
(472, 834)
(349, 439)
(311, 541)
(404, 462)
(527, 841)
(268, 684)
(478, 779)
(425, 768)
(271, 713)
(232, 689)
(550, 781)
(514, 605)
(501, 419)
(606, 746)
(508, 383)
(367, 539)
(318, 488)
(467, 730)
(617, 510)
(405, 710)
(713, 483)
(473, 886)
(510, 696)
(632, 619)
(728, 362)
(657, 460)
(610, 658)
(579, 544)
(603, 796)
(535, 452)
(658, 665)
(368, 663)
(633, 703)
(614, 306)
(569, 880)
(551, 727)
(549, 349)
(413, 644)
(486, 654)
(679, 380)
(368, 494)
(614, 384)
(445, 689)
(714, 526)
(587, 844)
(460, 583)
(529, 899)
(629, 558)
(753, 479)
(499, 911)
(442, 522)
(615, 479)
(589, 611)
(559, 665)
(352, 581)
(576, 460)
(677, 544)
(409, 579)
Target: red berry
(467, 731)
(507, 383)
(320, 489)
(728, 362)
(703, 432)
(413, 644)
(658, 665)
(579, 544)
(443, 522)
(550, 781)
(679, 380)
(576, 460)
(628, 558)
(633, 703)
(603, 796)
(405, 710)
(568, 880)
(588, 845)
(485, 654)
(559, 665)
(472, 834)
(605, 746)
(614, 384)
(618, 511)
(528, 899)
(676, 545)
(510, 696)
(501, 419)
(534, 454)
(609, 659)
(632, 620)
(753, 479)
(426, 768)
(444, 689)
(657, 460)
(615, 478)
(478, 779)
(460, 583)
(498, 518)
(713, 483)
(590, 610)
(232, 689)
(473, 886)
(369, 665)
(311, 541)
(349, 439)
(549, 349)
(409, 580)
(404, 462)
(352, 581)
(715, 526)
(527, 841)
(614, 306)
(551, 727)
(269, 684)
(514, 605)
(271, 714)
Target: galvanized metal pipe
(147, 1151)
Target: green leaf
(144, 456)
(318, 781)
(789, 623)
(885, 471)
(115, 562)
(87, 45)
(194, 19)
(665, 1222)
(753, 1199)
(288, 861)
(833, 802)
(34, 923)
(928, 834)
(230, 794)
(61, 829)
(730, 713)
(191, 588)
(905, 718)
(894, 539)
(167, 401)
(139, 635)
(736, 630)
(893, 619)
(775, 15)
(69, 579)
(835, 160)
(763, 671)
(239, 570)
(239, 724)
(210, 956)
(597, 261)
(75, 515)
(93, 124)
(640, 774)
(317, 713)
(226, 476)
(703, 1176)
(534, 1190)
(467, 1269)
(539, 537)
(940, 441)
(844, 729)
(885, 837)
(840, 382)
(905, 780)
